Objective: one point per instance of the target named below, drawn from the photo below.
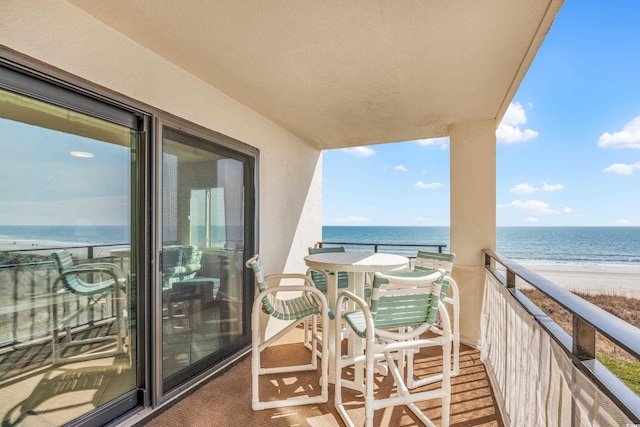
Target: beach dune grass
(619, 362)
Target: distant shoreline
(35, 244)
(600, 278)
(591, 277)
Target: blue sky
(61, 188)
(568, 148)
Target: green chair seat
(307, 303)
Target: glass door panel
(67, 339)
(203, 243)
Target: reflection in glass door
(67, 299)
(203, 243)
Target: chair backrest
(179, 262)
(64, 261)
(171, 256)
(72, 282)
(436, 261)
(318, 279)
(284, 309)
(407, 298)
(191, 255)
(255, 265)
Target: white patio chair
(90, 294)
(402, 308)
(310, 304)
(429, 261)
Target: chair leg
(339, 363)
(455, 350)
(257, 346)
(456, 336)
(121, 317)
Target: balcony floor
(226, 400)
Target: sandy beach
(613, 279)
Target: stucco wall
(61, 35)
(473, 215)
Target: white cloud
(525, 188)
(624, 222)
(351, 220)
(532, 219)
(421, 184)
(552, 187)
(628, 137)
(401, 168)
(509, 131)
(514, 115)
(442, 143)
(567, 210)
(533, 207)
(359, 151)
(622, 168)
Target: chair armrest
(455, 298)
(174, 271)
(324, 307)
(446, 322)
(100, 267)
(293, 288)
(364, 306)
(80, 269)
(191, 268)
(307, 280)
(103, 265)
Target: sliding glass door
(121, 254)
(207, 227)
(68, 294)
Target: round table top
(356, 261)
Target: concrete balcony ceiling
(346, 73)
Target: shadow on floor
(226, 400)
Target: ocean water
(607, 245)
(65, 235)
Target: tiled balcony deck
(226, 400)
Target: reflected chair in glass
(427, 262)
(402, 308)
(304, 302)
(179, 263)
(78, 281)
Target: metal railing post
(584, 339)
(511, 279)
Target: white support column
(473, 215)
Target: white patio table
(356, 264)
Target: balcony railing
(26, 297)
(515, 343)
(400, 249)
